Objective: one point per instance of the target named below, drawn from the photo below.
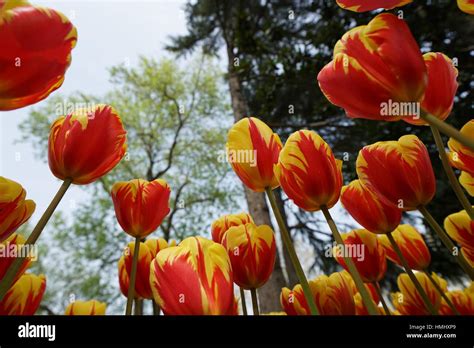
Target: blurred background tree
(275, 49)
(177, 121)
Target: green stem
(253, 292)
(450, 174)
(133, 276)
(414, 280)
(292, 253)
(448, 243)
(448, 130)
(368, 302)
(379, 292)
(17, 264)
(242, 301)
(441, 292)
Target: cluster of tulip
(381, 62)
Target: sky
(110, 32)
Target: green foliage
(176, 121)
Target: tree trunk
(269, 294)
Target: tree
(172, 115)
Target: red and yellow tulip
(408, 301)
(24, 297)
(220, 226)
(36, 50)
(413, 247)
(467, 181)
(252, 150)
(9, 250)
(92, 307)
(466, 6)
(308, 172)
(382, 63)
(142, 281)
(399, 171)
(15, 210)
(462, 157)
(86, 144)
(140, 206)
(252, 252)
(366, 252)
(442, 86)
(462, 300)
(360, 307)
(157, 244)
(368, 209)
(332, 295)
(370, 5)
(193, 278)
(460, 227)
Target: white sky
(110, 32)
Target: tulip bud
(15, 210)
(140, 206)
(408, 301)
(9, 250)
(366, 252)
(412, 246)
(24, 297)
(253, 149)
(91, 307)
(463, 301)
(461, 156)
(441, 89)
(193, 278)
(308, 172)
(466, 6)
(364, 5)
(142, 281)
(157, 244)
(360, 307)
(383, 65)
(368, 209)
(460, 227)
(36, 50)
(252, 252)
(221, 225)
(398, 171)
(86, 144)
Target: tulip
(412, 246)
(252, 252)
(24, 297)
(368, 209)
(408, 301)
(36, 50)
(222, 224)
(193, 278)
(15, 210)
(442, 86)
(142, 282)
(460, 227)
(383, 65)
(466, 6)
(141, 206)
(308, 172)
(399, 171)
(10, 249)
(370, 5)
(253, 149)
(462, 157)
(366, 252)
(86, 144)
(462, 300)
(467, 181)
(92, 307)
